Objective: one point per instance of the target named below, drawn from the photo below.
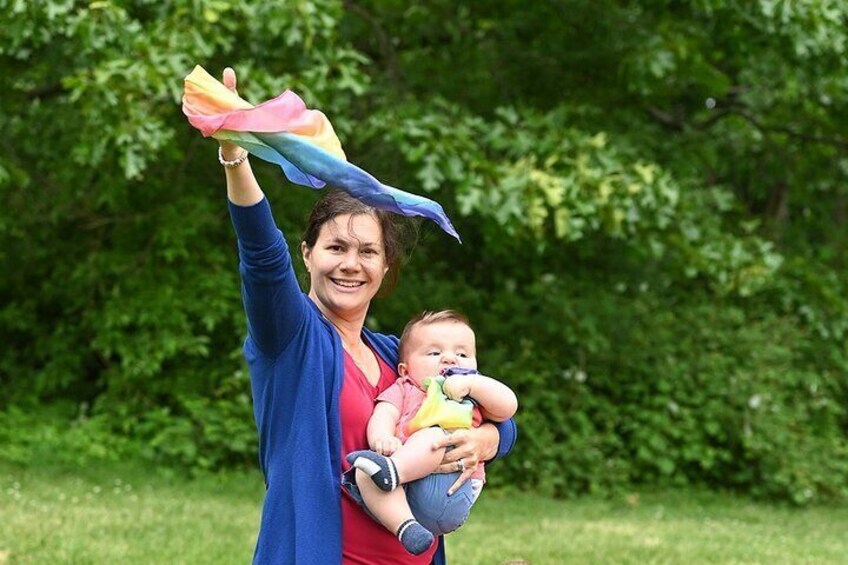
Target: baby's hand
(386, 445)
(457, 387)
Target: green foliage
(621, 385)
(202, 432)
(32, 435)
(651, 196)
(119, 253)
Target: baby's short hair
(425, 319)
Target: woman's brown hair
(338, 203)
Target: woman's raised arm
(242, 188)
(273, 300)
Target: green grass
(676, 527)
(125, 514)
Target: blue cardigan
(296, 372)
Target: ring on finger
(460, 465)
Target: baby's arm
(381, 428)
(497, 402)
(414, 459)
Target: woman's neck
(349, 331)
(349, 327)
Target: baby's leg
(416, 458)
(392, 511)
(413, 460)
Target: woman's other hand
(469, 448)
(229, 149)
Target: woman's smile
(347, 284)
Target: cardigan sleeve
(276, 307)
(508, 432)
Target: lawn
(675, 527)
(124, 514)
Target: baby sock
(380, 468)
(414, 537)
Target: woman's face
(346, 265)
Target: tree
(651, 194)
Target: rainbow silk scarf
(301, 141)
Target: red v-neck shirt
(364, 541)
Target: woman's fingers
(230, 150)
(230, 78)
(463, 457)
(464, 445)
(454, 439)
(464, 476)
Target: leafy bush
(59, 435)
(633, 260)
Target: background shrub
(651, 197)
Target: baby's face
(433, 347)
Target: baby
(432, 344)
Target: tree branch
(679, 123)
(835, 141)
(388, 50)
(47, 91)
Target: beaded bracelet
(235, 162)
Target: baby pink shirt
(407, 398)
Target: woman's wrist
(230, 151)
(231, 163)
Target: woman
(316, 370)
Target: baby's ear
(402, 370)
